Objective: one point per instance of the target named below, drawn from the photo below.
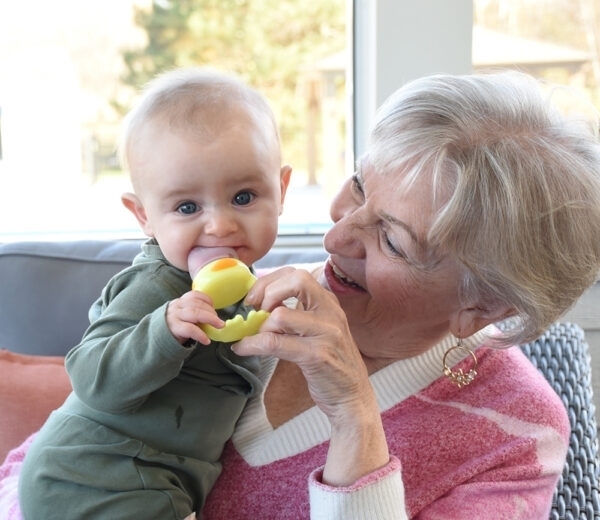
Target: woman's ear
(468, 320)
(133, 204)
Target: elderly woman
(476, 202)
(388, 388)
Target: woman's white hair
(518, 185)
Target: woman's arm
(316, 337)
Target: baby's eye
(243, 198)
(187, 208)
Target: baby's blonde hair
(194, 99)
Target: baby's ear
(134, 204)
(284, 181)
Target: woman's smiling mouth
(342, 277)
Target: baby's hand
(185, 313)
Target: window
(69, 70)
(325, 67)
(555, 40)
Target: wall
(399, 40)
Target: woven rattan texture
(562, 355)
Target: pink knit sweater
(493, 449)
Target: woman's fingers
(272, 290)
(315, 336)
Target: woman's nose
(342, 204)
(344, 238)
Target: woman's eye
(187, 208)
(243, 198)
(356, 185)
(389, 245)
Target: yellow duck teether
(227, 281)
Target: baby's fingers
(185, 313)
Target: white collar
(258, 443)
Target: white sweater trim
(382, 499)
(258, 443)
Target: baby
(154, 399)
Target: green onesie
(141, 434)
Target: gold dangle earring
(458, 377)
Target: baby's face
(226, 190)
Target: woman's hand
(186, 312)
(316, 337)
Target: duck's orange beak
(227, 281)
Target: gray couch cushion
(46, 289)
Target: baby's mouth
(342, 277)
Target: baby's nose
(220, 223)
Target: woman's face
(399, 295)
